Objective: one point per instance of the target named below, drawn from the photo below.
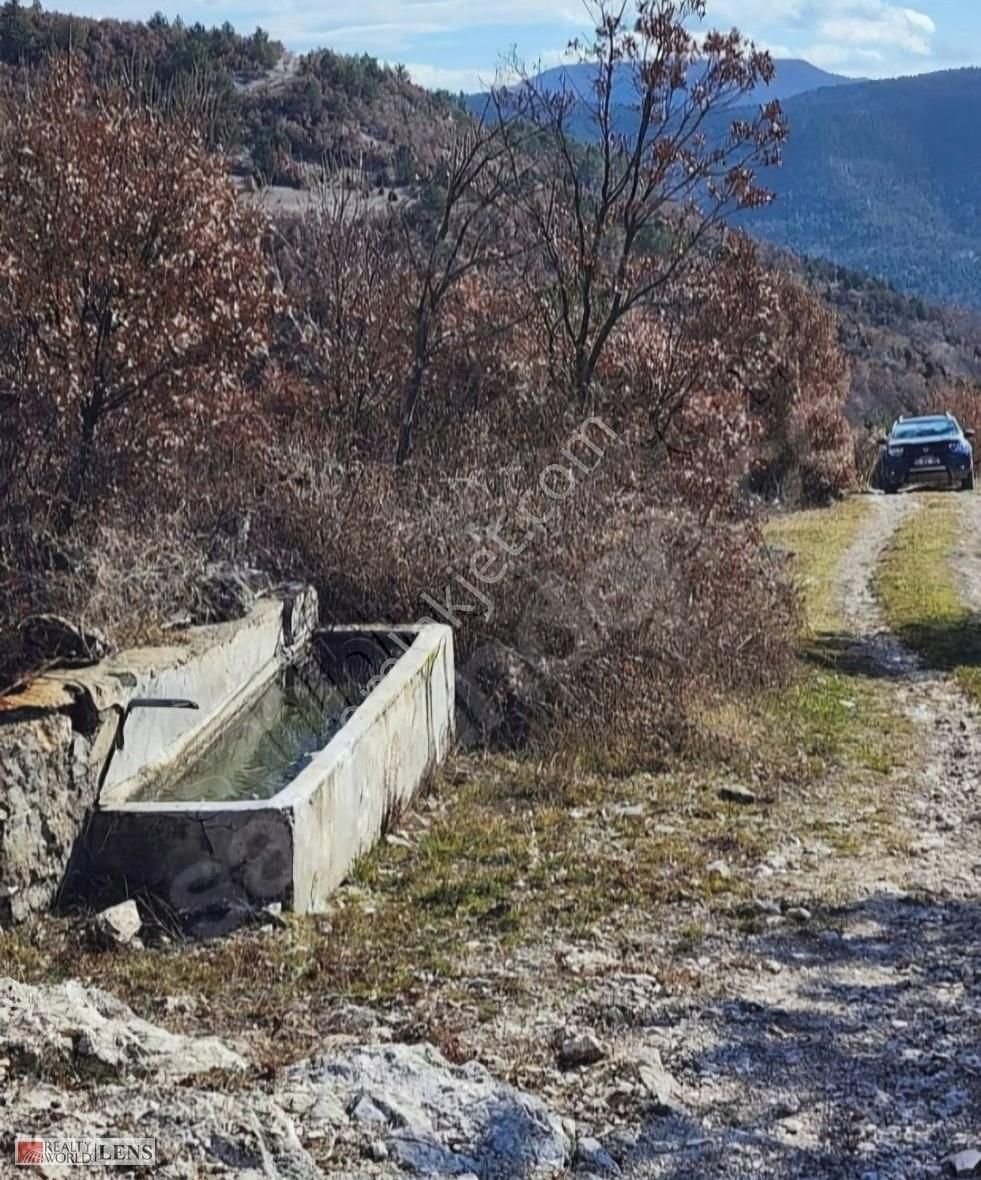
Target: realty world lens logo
(30, 1151)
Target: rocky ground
(809, 1008)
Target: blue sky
(457, 44)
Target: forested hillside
(903, 350)
(876, 176)
(280, 115)
(882, 177)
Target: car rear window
(928, 428)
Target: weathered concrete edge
(372, 769)
(57, 738)
(299, 846)
(224, 669)
(431, 641)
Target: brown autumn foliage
(402, 425)
(134, 293)
(807, 451)
(627, 573)
(963, 400)
(593, 214)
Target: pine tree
(16, 33)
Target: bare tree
(639, 165)
(467, 233)
(344, 334)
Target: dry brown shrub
(614, 620)
(135, 297)
(130, 581)
(806, 453)
(964, 402)
(868, 455)
(614, 610)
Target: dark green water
(264, 749)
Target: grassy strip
(830, 718)
(513, 851)
(918, 590)
(817, 542)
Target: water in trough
(266, 746)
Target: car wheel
(967, 485)
(891, 489)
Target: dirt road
(850, 1044)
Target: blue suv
(931, 451)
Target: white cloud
(384, 38)
(470, 79)
(389, 27)
(859, 36)
(897, 28)
(755, 13)
(921, 19)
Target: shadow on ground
(857, 1054)
(948, 644)
(878, 657)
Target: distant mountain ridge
(884, 177)
(793, 77)
(281, 115)
(878, 176)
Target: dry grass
(832, 723)
(509, 859)
(817, 542)
(509, 863)
(131, 582)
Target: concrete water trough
(257, 770)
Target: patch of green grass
(832, 719)
(837, 720)
(918, 589)
(834, 732)
(817, 542)
(515, 854)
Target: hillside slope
(901, 348)
(882, 177)
(877, 176)
(280, 116)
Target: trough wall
(205, 866)
(57, 738)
